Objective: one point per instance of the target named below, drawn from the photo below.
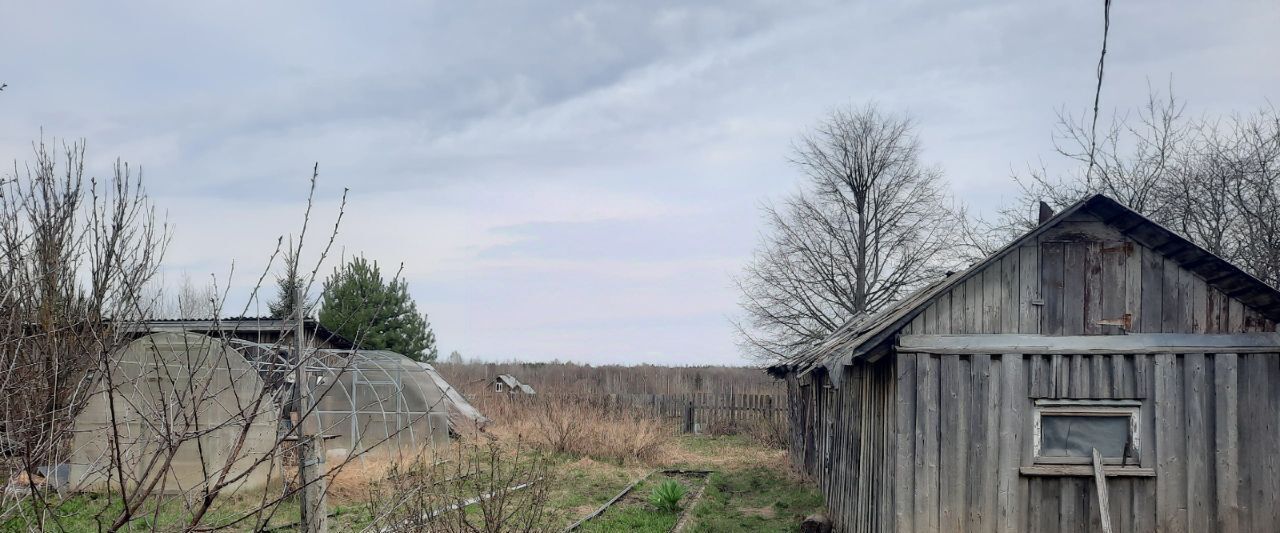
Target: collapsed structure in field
(219, 396)
(977, 403)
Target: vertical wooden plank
(1100, 375)
(1151, 308)
(1046, 496)
(1093, 289)
(991, 299)
(1187, 294)
(1171, 306)
(1033, 506)
(1199, 495)
(989, 374)
(1035, 385)
(976, 500)
(1142, 381)
(1029, 300)
(1199, 303)
(1009, 293)
(1010, 484)
(1144, 490)
(1235, 316)
(1121, 490)
(1217, 310)
(974, 304)
(853, 443)
(1133, 284)
(1078, 377)
(1121, 376)
(944, 312)
(1268, 486)
(1057, 385)
(1247, 378)
(953, 480)
(926, 445)
(1052, 287)
(1251, 320)
(1072, 515)
(958, 317)
(1171, 494)
(1226, 443)
(1075, 265)
(1115, 285)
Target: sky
(570, 180)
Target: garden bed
(634, 510)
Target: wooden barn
(976, 403)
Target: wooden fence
(706, 412)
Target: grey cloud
(579, 178)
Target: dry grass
(484, 487)
(582, 428)
(722, 453)
(354, 481)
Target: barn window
(1067, 431)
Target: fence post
(688, 417)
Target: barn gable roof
(868, 335)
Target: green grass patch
(581, 487)
(754, 499)
(640, 518)
(95, 512)
(635, 513)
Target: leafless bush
(472, 488)
(75, 256)
(769, 430)
(560, 425)
(185, 428)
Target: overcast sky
(573, 180)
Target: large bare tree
(871, 222)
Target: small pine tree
(359, 305)
(286, 286)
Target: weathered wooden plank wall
(1210, 427)
(848, 445)
(927, 442)
(1084, 278)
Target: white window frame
(1110, 408)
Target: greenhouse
(196, 395)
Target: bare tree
(873, 223)
(1130, 160)
(1252, 157)
(1214, 179)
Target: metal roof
(245, 324)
